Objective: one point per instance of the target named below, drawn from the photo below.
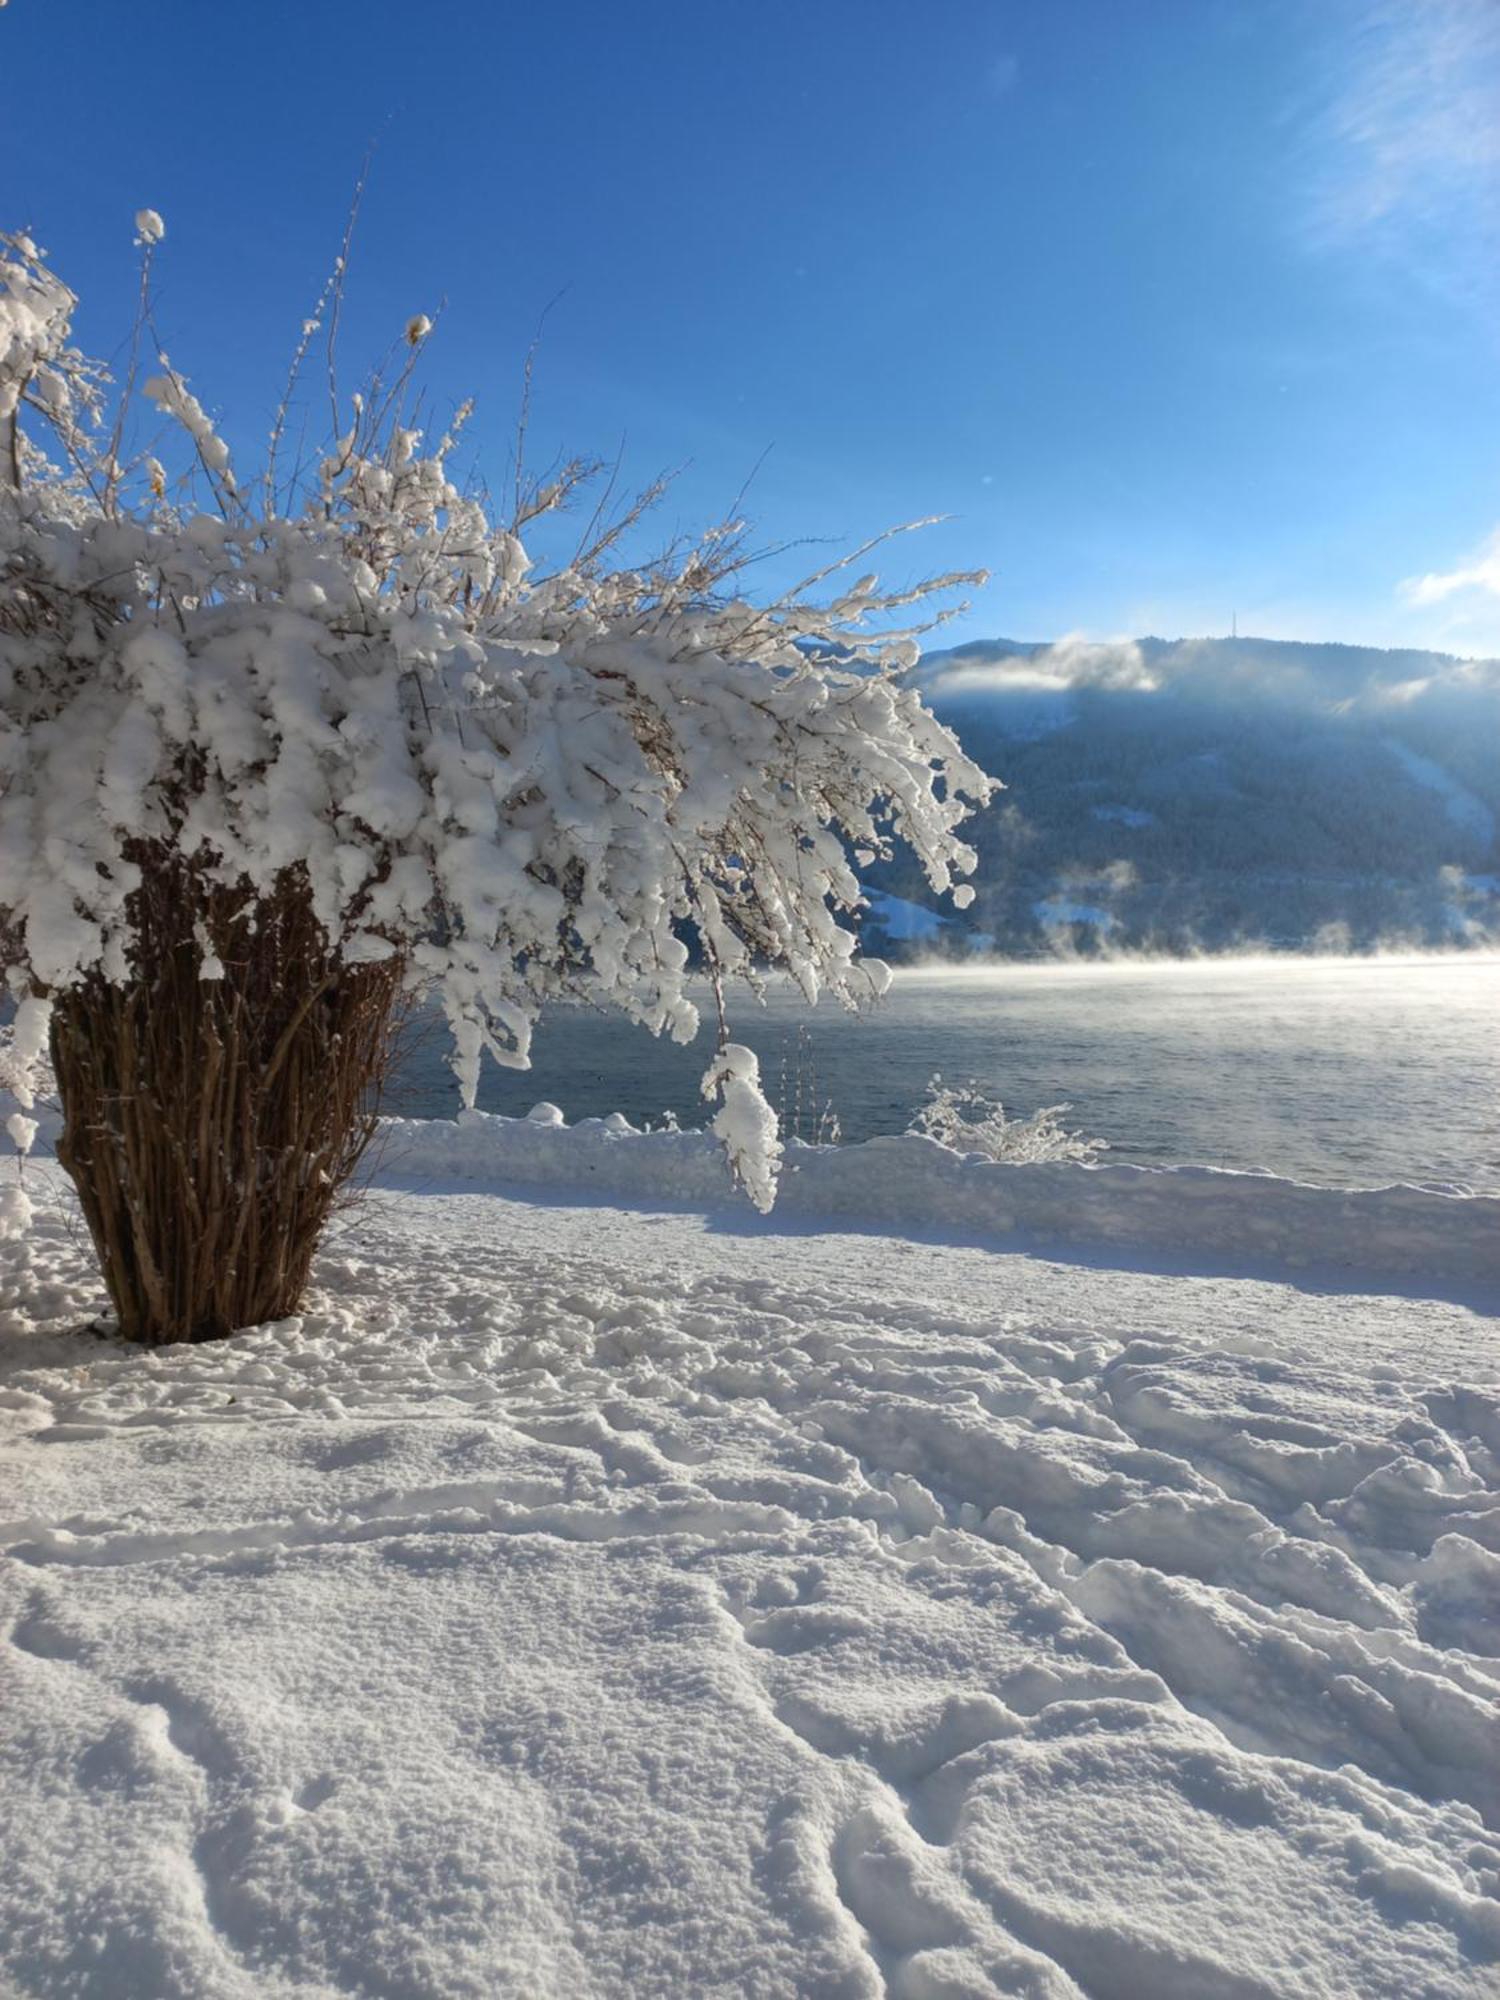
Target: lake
(1346, 1071)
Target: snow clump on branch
(520, 785)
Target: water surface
(1351, 1071)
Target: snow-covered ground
(629, 1600)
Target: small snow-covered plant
(276, 755)
(803, 1110)
(969, 1121)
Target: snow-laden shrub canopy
(523, 785)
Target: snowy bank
(914, 1184)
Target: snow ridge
(909, 1182)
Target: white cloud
(1482, 574)
(1073, 662)
(1410, 136)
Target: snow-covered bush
(273, 756)
(969, 1121)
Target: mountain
(1213, 794)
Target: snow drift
(911, 1183)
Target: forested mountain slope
(1217, 793)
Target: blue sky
(1182, 308)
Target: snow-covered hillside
(618, 1600)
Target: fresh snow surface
(1469, 814)
(1214, 1218)
(903, 921)
(608, 1600)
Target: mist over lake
(1345, 1071)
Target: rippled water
(1352, 1071)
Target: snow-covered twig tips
(149, 227)
(417, 329)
